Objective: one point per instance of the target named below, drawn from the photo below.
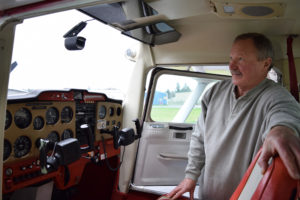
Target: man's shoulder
(277, 91)
(272, 87)
(219, 88)
(224, 84)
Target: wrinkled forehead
(244, 47)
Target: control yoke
(126, 136)
(68, 151)
(64, 152)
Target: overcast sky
(44, 63)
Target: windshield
(43, 62)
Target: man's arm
(282, 141)
(196, 160)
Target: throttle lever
(116, 137)
(87, 131)
(44, 148)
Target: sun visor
(148, 27)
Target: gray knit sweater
(230, 132)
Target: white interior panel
(161, 154)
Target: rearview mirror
(75, 43)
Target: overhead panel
(249, 10)
(178, 9)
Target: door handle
(171, 156)
(181, 128)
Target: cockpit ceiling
(207, 37)
(8, 4)
(177, 9)
(206, 30)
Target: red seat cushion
(276, 184)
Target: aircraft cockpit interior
(64, 114)
(40, 130)
(100, 99)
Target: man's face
(246, 70)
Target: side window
(177, 98)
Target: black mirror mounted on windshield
(72, 41)
(75, 43)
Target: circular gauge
(8, 120)
(38, 123)
(22, 146)
(22, 118)
(67, 134)
(52, 116)
(118, 111)
(102, 112)
(53, 137)
(66, 114)
(7, 149)
(111, 111)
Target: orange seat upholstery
(275, 184)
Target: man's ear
(267, 63)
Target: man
(238, 117)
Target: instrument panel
(32, 121)
(53, 115)
(108, 116)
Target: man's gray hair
(262, 44)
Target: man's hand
(282, 141)
(187, 185)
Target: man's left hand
(282, 141)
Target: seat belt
(292, 69)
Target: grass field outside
(167, 114)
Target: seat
(275, 184)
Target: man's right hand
(187, 185)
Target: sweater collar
(253, 92)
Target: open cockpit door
(172, 108)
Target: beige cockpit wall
(6, 42)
